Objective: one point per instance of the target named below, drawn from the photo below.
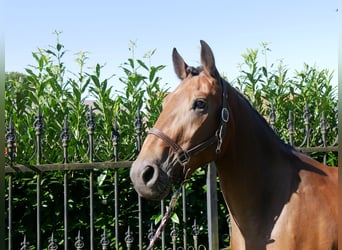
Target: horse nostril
(148, 174)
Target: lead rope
(166, 216)
(169, 212)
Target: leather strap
(175, 147)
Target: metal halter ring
(225, 114)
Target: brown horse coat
(278, 198)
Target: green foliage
(310, 87)
(61, 96)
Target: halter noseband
(184, 156)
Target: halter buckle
(183, 158)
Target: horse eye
(200, 104)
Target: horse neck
(249, 177)
(248, 129)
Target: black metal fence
(115, 233)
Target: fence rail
(178, 236)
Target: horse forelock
(194, 71)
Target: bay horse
(278, 197)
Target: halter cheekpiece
(184, 156)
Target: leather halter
(184, 156)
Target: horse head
(189, 130)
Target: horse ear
(208, 60)
(179, 65)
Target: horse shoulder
(310, 216)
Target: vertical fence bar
(91, 128)
(306, 117)
(138, 128)
(115, 140)
(116, 208)
(162, 212)
(39, 125)
(10, 212)
(335, 129)
(140, 221)
(184, 216)
(212, 213)
(65, 202)
(38, 211)
(91, 207)
(65, 137)
(272, 117)
(323, 127)
(11, 138)
(290, 128)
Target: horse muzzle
(150, 181)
